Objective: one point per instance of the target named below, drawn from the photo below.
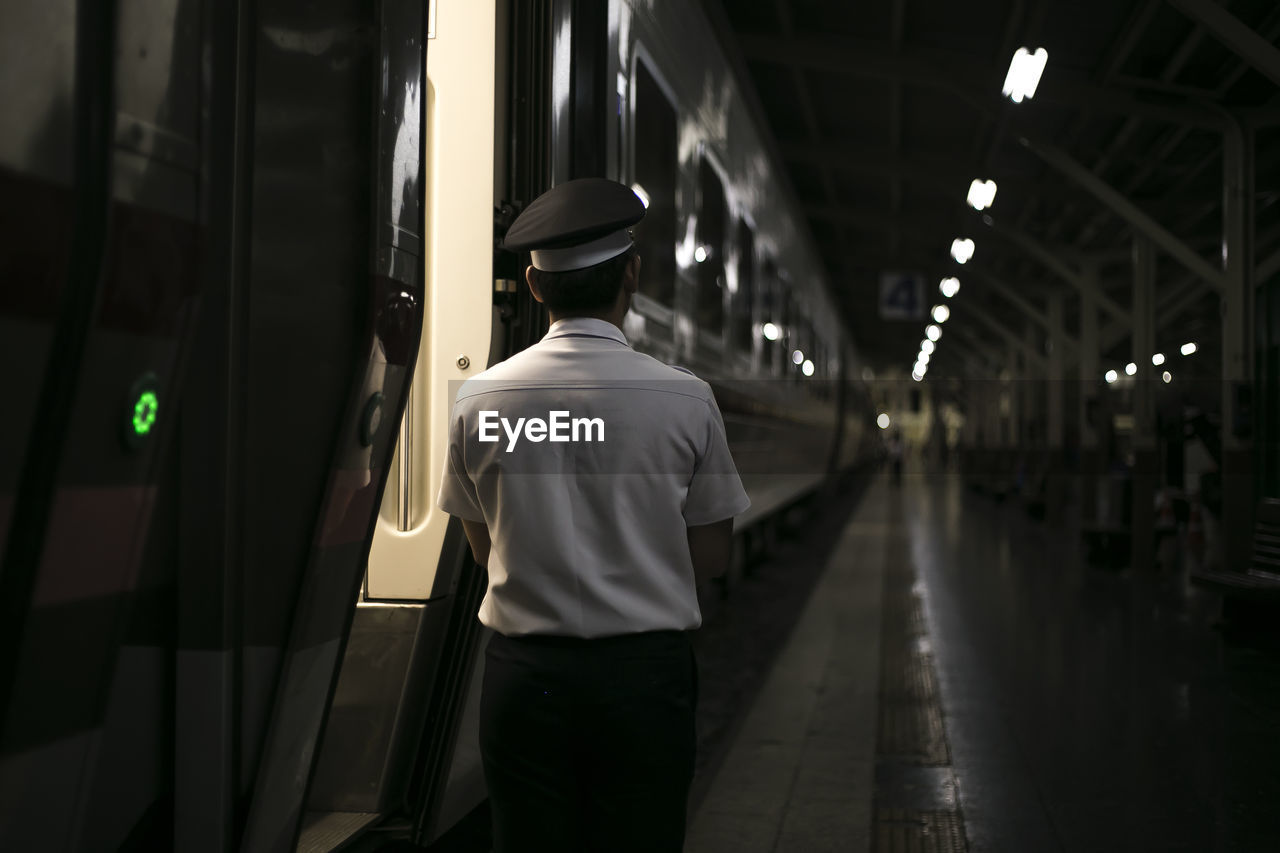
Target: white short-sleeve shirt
(587, 461)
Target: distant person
(594, 546)
(895, 455)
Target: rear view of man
(596, 485)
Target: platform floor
(961, 679)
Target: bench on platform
(1255, 591)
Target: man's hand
(478, 535)
(710, 549)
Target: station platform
(961, 679)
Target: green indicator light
(144, 412)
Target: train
(250, 251)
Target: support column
(1145, 456)
(1010, 376)
(1090, 408)
(1238, 486)
(1055, 425)
(1032, 383)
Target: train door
(108, 168)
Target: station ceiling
(884, 111)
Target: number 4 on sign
(901, 296)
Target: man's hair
(586, 291)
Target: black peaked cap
(573, 213)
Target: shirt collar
(589, 326)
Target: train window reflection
(713, 215)
(744, 299)
(655, 171)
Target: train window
(744, 299)
(655, 173)
(713, 216)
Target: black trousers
(588, 745)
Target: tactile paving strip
(912, 729)
(912, 831)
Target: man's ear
(631, 275)
(533, 288)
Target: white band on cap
(584, 255)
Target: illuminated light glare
(1157, 359)
(941, 313)
(1130, 368)
(962, 249)
(1024, 74)
(917, 376)
(933, 331)
(949, 286)
(981, 194)
(641, 194)
(144, 412)
(927, 346)
(1188, 348)
(770, 332)
(807, 368)
(882, 421)
(700, 254)
(1111, 376)
(1167, 377)
(922, 358)
(797, 357)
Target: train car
(235, 618)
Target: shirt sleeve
(715, 492)
(457, 491)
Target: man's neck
(613, 317)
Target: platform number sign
(901, 296)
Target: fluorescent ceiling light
(951, 286)
(1111, 376)
(962, 249)
(1024, 74)
(1157, 359)
(981, 194)
(941, 313)
(933, 331)
(1130, 368)
(770, 332)
(1188, 348)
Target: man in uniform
(596, 485)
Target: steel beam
(1235, 34)
(1058, 266)
(1007, 292)
(1126, 210)
(1145, 476)
(1237, 350)
(1088, 364)
(1055, 426)
(1004, 332)
(930, 69)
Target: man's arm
(478, 535)
(710, 549)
